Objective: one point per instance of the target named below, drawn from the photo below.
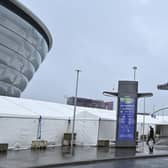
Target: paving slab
(61, 156)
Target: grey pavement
(58, 156)
(133, 163)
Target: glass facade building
(24, 43)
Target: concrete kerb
(86, 162)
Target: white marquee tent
(19, 121)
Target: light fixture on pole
(134, 68)
(74, 114)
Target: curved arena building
(24, 43)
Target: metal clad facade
(22, 50)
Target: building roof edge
(26, 14)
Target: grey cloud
(105, 38)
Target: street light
(74, 114)
(144, 123)
(134, 68)
(143, 131)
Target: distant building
(85, 102)
(163, 86)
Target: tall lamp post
(74, 113)
(143, 131)
(134, 68)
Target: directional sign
(126, 126)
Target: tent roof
(33, 108)
(148, 119)
(95, 113)
(21, 107)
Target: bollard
(3, 147)
(39, 144)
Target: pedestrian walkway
(60, 156)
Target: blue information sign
(126, 125)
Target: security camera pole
(74, 114)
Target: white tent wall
(87, 132)
(18, 132)
(53, 130)
(146, 129)
(163, 131)
(146, 122)
(107, 130)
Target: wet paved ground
(133, 163)
(58, 155)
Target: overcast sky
(105, 39)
